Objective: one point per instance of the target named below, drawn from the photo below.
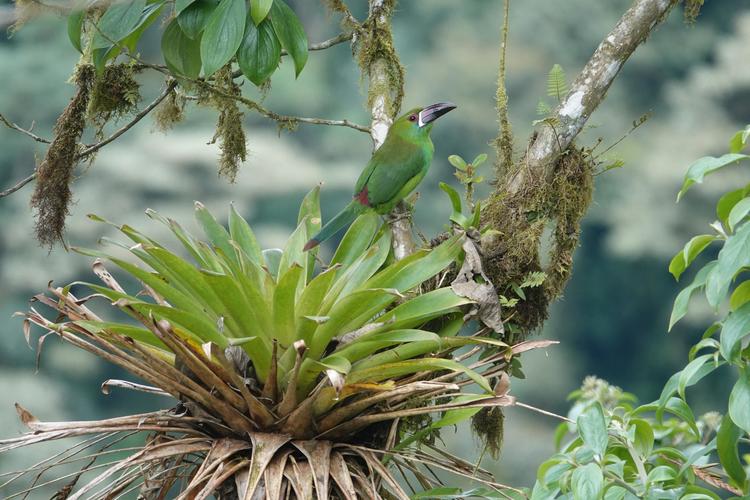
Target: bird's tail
(333, 226)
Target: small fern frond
(542, 108)
(557, 85)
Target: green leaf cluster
(661, 450)
(612, 449)
(203, 36)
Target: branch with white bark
(590, 88)
(401, 227)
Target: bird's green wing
(391, 168)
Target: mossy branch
(379, 62)
(590, 88)
(553, 183)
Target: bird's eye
(413, 118)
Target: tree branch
(551, 171)
(18, 185)
(141, 114)
(379, 88)
(88, 151)
(24, 131)
(590, 88)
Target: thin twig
(543, 412)
(24, 131)
(18, 185)
(253, 105)
(325, 44)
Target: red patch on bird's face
(362, 197)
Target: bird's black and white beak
(434, 111)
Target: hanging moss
(114, 94)
(170, 112)
(229, 131)
(691, 10)
(488, 424)
(52, 195)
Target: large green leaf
(193, 19)
(216, 233)
(259, 9)
(692, 249)
(395, 370)
(706, 165)
(290, 32)
(117, 22)
(357, 239)
(688, 375)
(183, 274)
(241, 233)
(727, 439)
(284, 302)
(181, 54)
(679, 309)
(671, 387)
(310, 301)
(350, 313)
(739, 401)
(362, 347)
(75, 25)
(418, 267)
(309, 211)
(222, 35)
(361, 269)
(587, 482)
(293, 253)
(736, 327)
(732, 258)
(423, 308)
(593, 429)
(739, 212)
(259, 53)
(180, 5)
(727, 202)
(740, 296)
(137, 333)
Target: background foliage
(690, 78)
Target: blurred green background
(612, 321)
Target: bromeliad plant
(290, 379)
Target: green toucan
(394, 170)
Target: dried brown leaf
(532, 344)
(487, 308)
(318, 454)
